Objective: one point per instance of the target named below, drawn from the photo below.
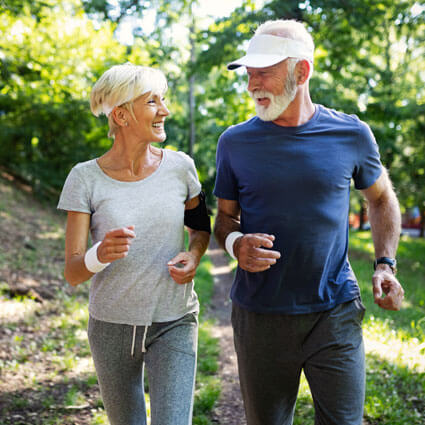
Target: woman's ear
(119, 116)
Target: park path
(229, 408)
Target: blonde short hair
(288, 28)
(120, 85)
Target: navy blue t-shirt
(294, 183)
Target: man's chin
(265, 115)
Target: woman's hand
(115, 244)
(182, 267)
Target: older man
(283, 187)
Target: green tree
(48, 64)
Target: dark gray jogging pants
(273, 349)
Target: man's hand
(384, 282)
(115, 244)
(250, 254)
(182, 267)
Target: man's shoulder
(245, 126)
(349, 124)
(339, 118)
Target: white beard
(278, 103)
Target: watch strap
(392, 262)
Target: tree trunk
(422, 225)
(192, 128)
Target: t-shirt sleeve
(368, 164)
(225, 183)
(193, 183)
(74, 196)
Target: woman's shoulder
(86, 165)
(83, 171)
(84, 168)
(179, 158)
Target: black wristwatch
(386, 260)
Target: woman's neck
(130, 163)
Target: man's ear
(302, 71)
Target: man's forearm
(385, 222)
(224, 224)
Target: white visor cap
(266, 50)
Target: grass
(394, 341)
(46, 371)
(207, 388)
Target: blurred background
(369, 61)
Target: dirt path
(229, 409)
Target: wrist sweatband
(230, 240)
(92, 262)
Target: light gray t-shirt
(137, 289)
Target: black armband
(197, 218)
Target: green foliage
(48, 63)
(206, 283)
(368, 64)
(206, 394)
(17, 6)
(207, 350)
(397, 386)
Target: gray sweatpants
(168, 349)
(273, 349)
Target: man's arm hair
(384, 216)
(227, 220)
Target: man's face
(272, 88)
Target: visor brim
(256, 61)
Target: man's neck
(299, 111)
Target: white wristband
(230, 240)
(92, 262)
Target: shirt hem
(133, 322)
(292, 311)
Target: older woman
(135, 200)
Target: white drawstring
(134, 340)
(144, 340)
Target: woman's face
(150, 112)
